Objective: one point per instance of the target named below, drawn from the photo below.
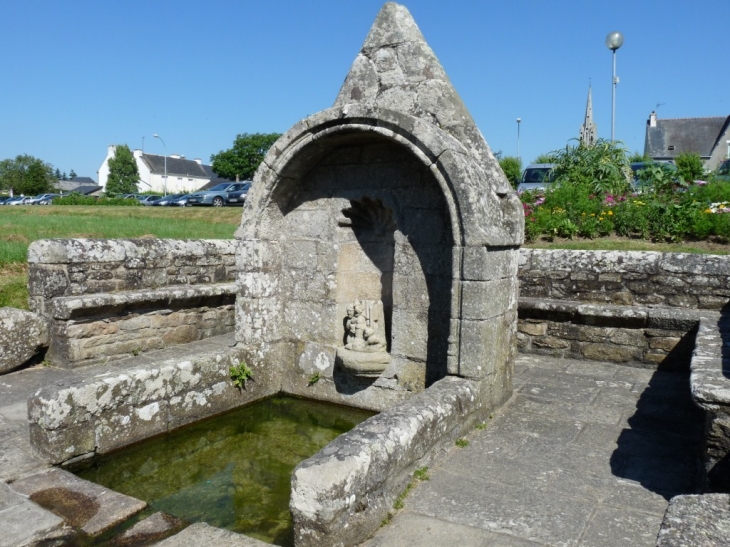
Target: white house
(183, 175)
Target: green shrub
(78, 199)
(603, 167)
(689, 166)
(512, 168)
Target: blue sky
(80, 75)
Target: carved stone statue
(365, 352)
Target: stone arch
(293, 315)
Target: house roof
(83, 180)
(671, 137)
(175, 166)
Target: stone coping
(710, 368)
(341, 495)
(699, 521)
(151, 395)
(610, 315)
(66, 307)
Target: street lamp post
(614, 40)
(518, 137)
(163, 144)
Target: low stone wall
(341, 495)
(710, 384)
(112, 298)
(121, 406)
(623, 334)
(671, 280)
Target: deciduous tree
(123, 172)
(26, 175)
(244, 157)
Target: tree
(123, 172)
(72, 175)
(26, 175)
(244, 157)
(57, 174)
(512, 168)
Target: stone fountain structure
(392, 203)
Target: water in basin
(232, 471)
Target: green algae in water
(233, 471)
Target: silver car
(217, 195)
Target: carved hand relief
(365, 351)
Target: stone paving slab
(584, 454)
(415, 529)
(24, 522)
(83, 504)
(201, 534)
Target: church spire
(588, 131)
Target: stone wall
(637, 334)
(120, 406)
(116, 297)
(668, 280)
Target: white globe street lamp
(163, 144)
(614, 40)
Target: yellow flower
(610, 213)
(582, 214)
(593, 214)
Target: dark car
(238, 197)
(217, 195)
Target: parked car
(16, 200)
(167, 200)
(149, 200)
(723, 172)
(48, 200)
(536, 176)
(132, 196)
(36, 200)
(239, 196)
(182, 201)
(217, 195)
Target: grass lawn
(21, 225)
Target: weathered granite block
(341, 494)
(696, 521)
(22, 335)
(126, 405)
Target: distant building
(183, 175)
(589, 131)
(708, 137)
(75, 183)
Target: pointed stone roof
(397, 70)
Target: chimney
(176, 156)
(652, 119)
(137, 153)
(112, 150)
(198, 161)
